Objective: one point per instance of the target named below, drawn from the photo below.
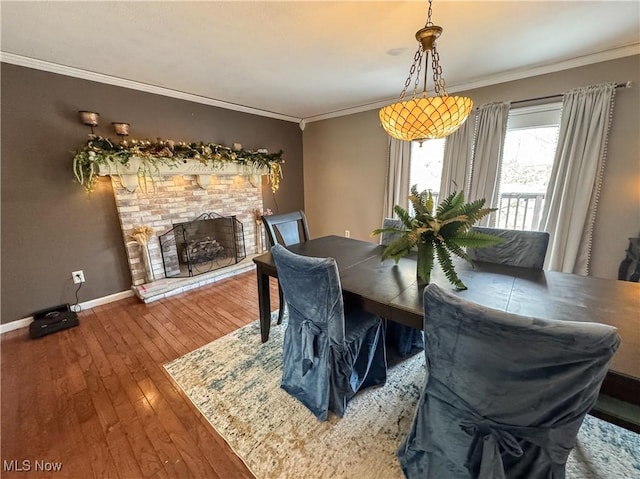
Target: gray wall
(50, 226)
(345, 162)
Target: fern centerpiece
(441, 234)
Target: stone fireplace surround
(171, 199)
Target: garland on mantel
(99, 150)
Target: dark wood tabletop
(391, 290)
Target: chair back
(312, 290)
(526, 249)
(287, 228)
(387, 237)
(506, 394)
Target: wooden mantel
(136, 167)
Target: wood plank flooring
(96, 398)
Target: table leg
(264, 302)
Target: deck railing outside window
(516, 211)
(519, 211)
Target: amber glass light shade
(429, 118)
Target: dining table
(391, 290)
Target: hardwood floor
(96, 398)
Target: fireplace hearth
(209, 242)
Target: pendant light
(421, 117)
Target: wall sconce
(89, 118)
(122, 129)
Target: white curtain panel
(458, 149)
(398, 168)
(572, 194)
(491, 129)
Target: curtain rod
(626, 84)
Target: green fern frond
(483, 212)
(398, 248)
(453, 229)
(461, 219)
(429, 203)
(476, 211)
(450, 206)
(404, 216)
(390, 229)
(425, 261)
(475, 239)
(444, 259)
(456, 249)
(419, 202)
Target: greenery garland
(99, 150)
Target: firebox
(209, 242)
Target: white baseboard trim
(13, 325)
(23, 323)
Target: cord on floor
(76, 307)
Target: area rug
(235, 383)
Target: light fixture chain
(429, 22)
(416, 84)
(438, 80)
(417, 60)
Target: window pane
(535, 116)
(526, 168)
(426, 165)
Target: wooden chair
(286, 229)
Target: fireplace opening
(209, 242)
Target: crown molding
(19, 60)
(613, 54)
(134, 85)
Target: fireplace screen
(205, 244)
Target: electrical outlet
(78, 277)
(347, 234)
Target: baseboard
(621, 413)
(23, 323)
(13, 325)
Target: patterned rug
(235, 383)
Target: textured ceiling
(311, 60)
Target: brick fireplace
(170, 200)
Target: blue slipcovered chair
(404, 340)
(526, 249)
(388, 236)
(285, 229)
(331, 351)
(505, 394)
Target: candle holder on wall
(122, 129)
(89, 118)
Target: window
(426, 165)
(527, 161)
